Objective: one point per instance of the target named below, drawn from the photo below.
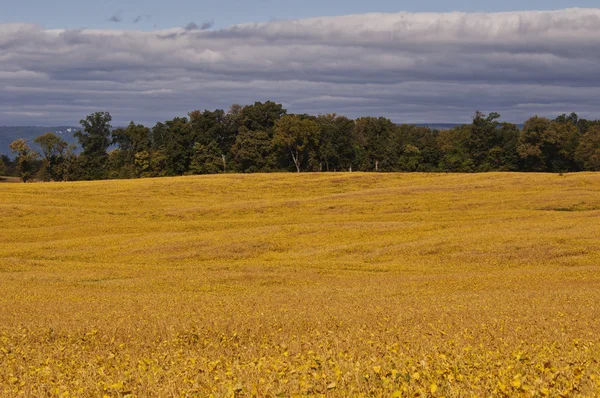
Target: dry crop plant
(295, 285)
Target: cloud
(207, 24)
(141, 18)
(116, 17)
(423, 67)
(203, 26)
(191, 26)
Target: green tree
(454, 145)
(70, 168)
(175, 142)
(532, 142)
(25, 159)
(261, 116)
(53, 150)
(95, 138)
(253, 151)
(142, 164)
(159, 166)
(299, 138)
(426, 140)
(337, 149)
(588, 151)
(484, 135)
(410, 158)
(373, 138)
(573, 119)
(207, 159)
(546, 145)
(134, 139)
(211, 137)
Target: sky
(161, 14)
(429, 61)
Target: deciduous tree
(25, 159)
(588, 151)
(297, 137)
(53, 151)
(95, 138)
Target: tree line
(263, 137)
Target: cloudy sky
(153, 60)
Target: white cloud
(410, 67)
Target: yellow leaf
(416, 376)
(501, 387)
(433, 388)
(377, 369)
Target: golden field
(292, 285)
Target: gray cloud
(191, 26)
(116, 17)
(203, 26)
(142, 17)
(207, 24)
(409, 67)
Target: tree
(95, 138)
(373, 138)
(207, 159)
(298, 137)
(546, 145)
(532, 142)
(427, 141)
(175, 143)
(337, 149)
(261, 116)
(253, 151)
(454, 145)
(71, 169)
(53, 150)
(501, 153)
(212, 135)
(484, 136)
(25, 159)
(584, 125)
(410, 158)
(130, 141)
(142, 164)
(573, 118)
(588, 151)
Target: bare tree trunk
(377, 165)
(224, 162)
(296, 161)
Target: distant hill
(448, 126)
(439, 126)
(10, 133)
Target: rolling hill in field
(279, 285)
